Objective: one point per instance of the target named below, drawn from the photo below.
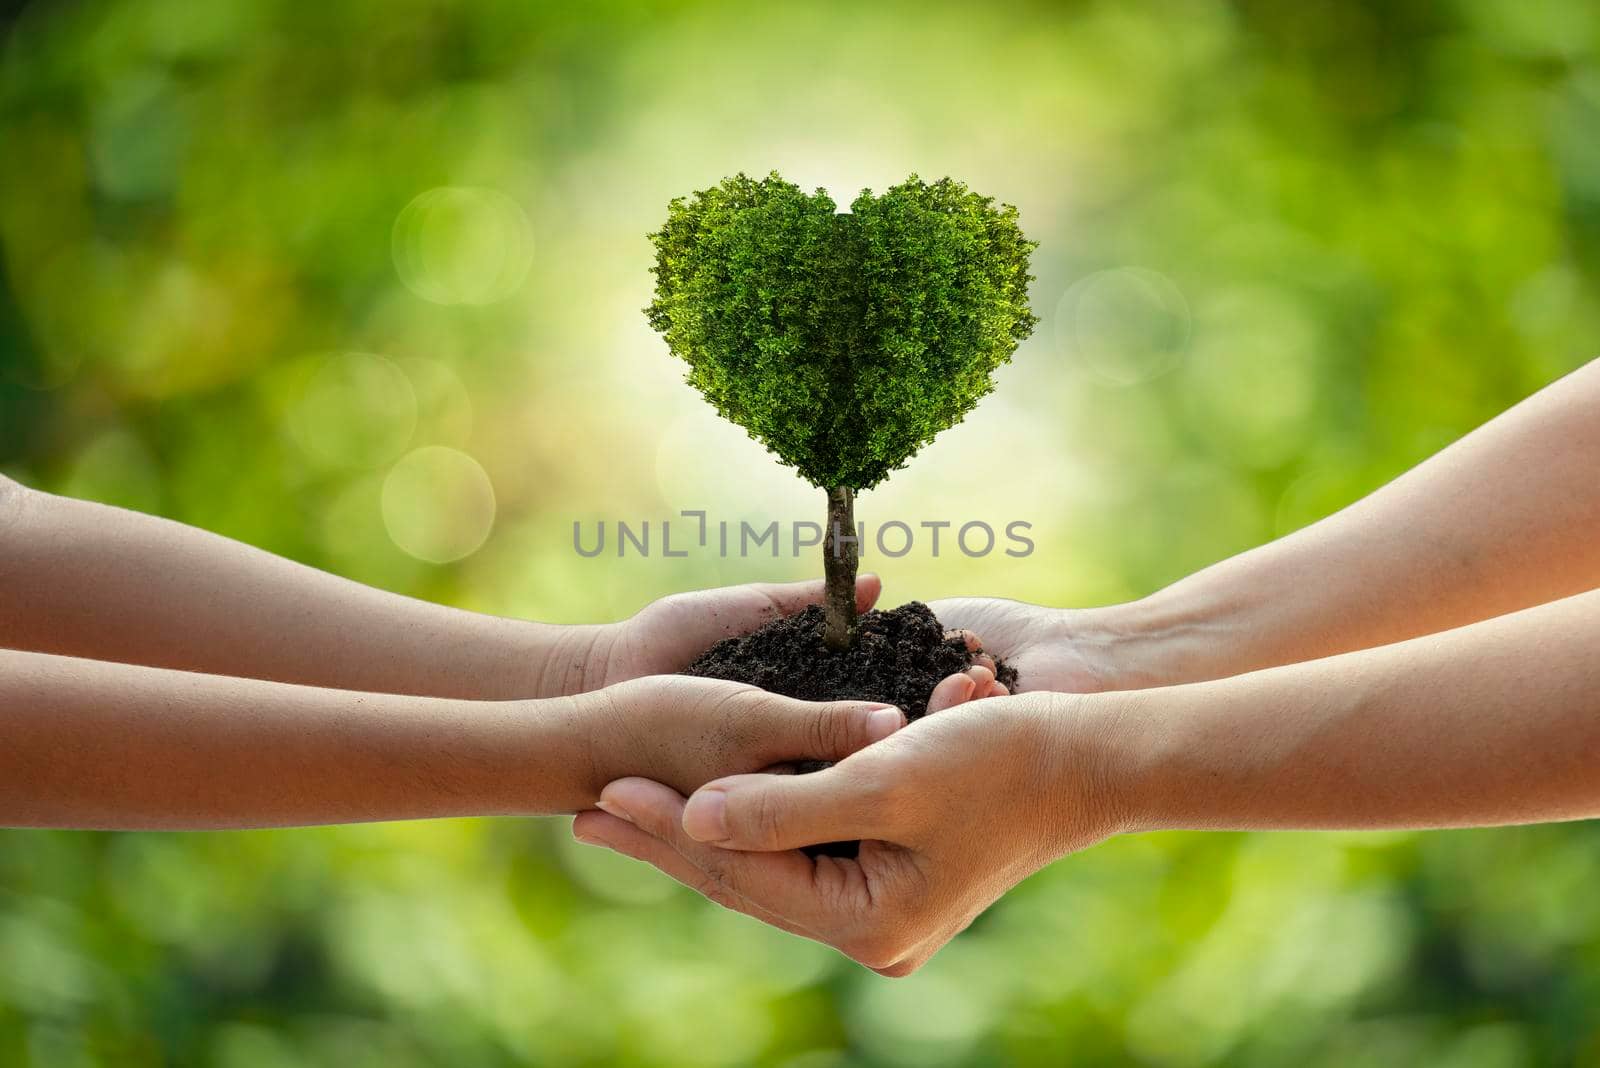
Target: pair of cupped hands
(951, 811)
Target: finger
(952, 691)
(787, 598)
(974, 643)
(766, 813)
(869, 588)
(804, 892)
(812, 730)
(999, 689)
(982, 678)
(975, 649)
(696, 619)
(836, 901)
(618, 835)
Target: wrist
(1167, 755)
(1074, 790)
(601, 740)
(1100, 774)
(1179, 634)
(563, 661)
(448, 757)
(554, 765)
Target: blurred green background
(360, 283)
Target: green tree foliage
(1384, 222)
(843, 342)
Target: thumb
(788, 598)
(767, 813)
(824, 730)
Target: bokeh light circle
(438, 504)
(1125, 325)
(462, 245)
(444, 407)
(357, 410)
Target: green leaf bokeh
(257, 257)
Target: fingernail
(705, 817)
(591, 840)
(613, 809)
(882, 722)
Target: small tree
(842, 342)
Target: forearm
(98, 745)
(1494, 723)
(1501, 520)
(87, 580)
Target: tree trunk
(840, 558)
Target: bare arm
(85, 743)
(1497, 722)
(87, 580)
(1493, 723)
(1503, 519)
(92, 744)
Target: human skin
(156, 676)
(88, 580)
(1497, 722)
(1423, 658)
(91, 744)
(1502, 519)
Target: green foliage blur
(358, 282)
(844, 342)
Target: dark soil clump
(898, 657)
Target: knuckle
(773, 597)
(669, 608)
(766, 818)
(734, 711)
(880, 795)
(827, 732)
(724, 712)
(616, 698)
(737, 703)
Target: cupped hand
(952, 811)
(666, 636)
(1053, 649)
(686, 731)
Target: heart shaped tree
(842, 342)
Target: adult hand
(686, 731)
(1063, 650)
(1020, 782)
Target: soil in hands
(898, 657)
